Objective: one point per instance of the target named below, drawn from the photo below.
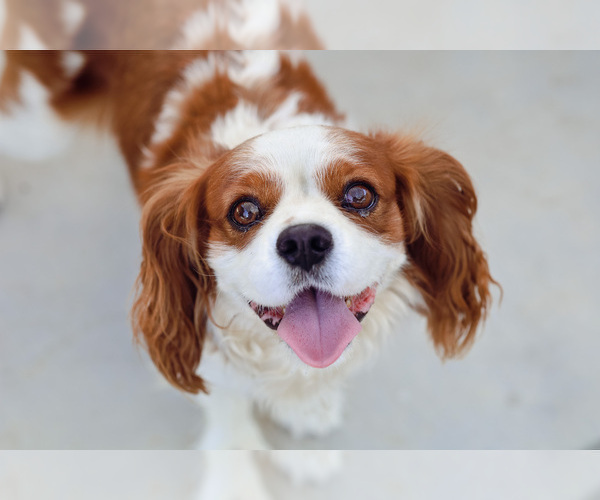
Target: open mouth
(318, 326)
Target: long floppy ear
(174, 287)
(437, 201)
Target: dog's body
(232, 97)
(269, 229)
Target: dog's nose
(304, 245)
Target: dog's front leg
(229, 422)
(230, 471)
(231, 475)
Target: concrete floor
(525, 125)
(456, 25)
(415, 475)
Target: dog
(279, 246)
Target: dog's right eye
(359, 197)
(244, 213)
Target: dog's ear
(174, 287)
(437, 202)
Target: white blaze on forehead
(298, 154)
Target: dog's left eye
(359, 196)
(244, 213)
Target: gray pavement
(456, 25)
(415, 475)
(525, 125)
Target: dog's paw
(231, 475)
(307, 466)
(315, 417)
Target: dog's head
(304, 227)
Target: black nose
(304, 245)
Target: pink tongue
(318, 327)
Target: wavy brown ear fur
(438, 203)
(174, 286)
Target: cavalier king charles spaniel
(279, 246)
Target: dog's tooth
(283, 310)
(349, 302)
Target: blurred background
(526, 127)
(456, 25)
(414, 475)
(340, 24)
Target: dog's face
(304, 227)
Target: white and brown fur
(155, 24)
(200, 129)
